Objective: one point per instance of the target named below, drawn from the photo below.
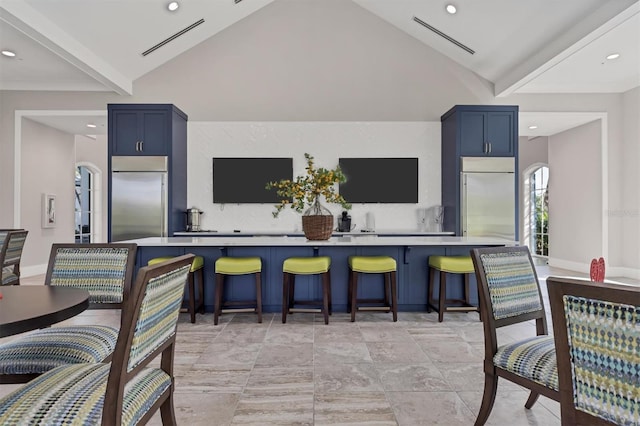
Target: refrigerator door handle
(164, 203)
(463, 204)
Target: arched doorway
(536, 203)
(87, 203)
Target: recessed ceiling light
(613, 56)
(533, 127)
(8, 53)
(93, 126)
(173, 6)
(451, 9)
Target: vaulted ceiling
(544, 46)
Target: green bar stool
(373, 265)
(450, 265)
(293, 266)
(237, 266)
(196, 266)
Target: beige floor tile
(341, 353)
(412, 377)
(430, 408)
(286, 408)
(296, 379)
(347, 378)
(396, 352)
(509, 409)
(353, 408)
(452, 351)
(287, 354)
(197, 409)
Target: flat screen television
(380, 180)
(243, 180)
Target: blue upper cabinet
(485, 130)
(142, 129)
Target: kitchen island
(411, 254)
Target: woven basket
(317, 227)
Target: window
(84, 229)
(538, 211)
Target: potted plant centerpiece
(317, 220)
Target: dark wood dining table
(28, 307)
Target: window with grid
(83, 209)
(539, 211)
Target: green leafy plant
(305, 189)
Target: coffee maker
(344, 222)
(193, 219)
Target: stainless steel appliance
(138, 197)
(488, 197)
(193, 219)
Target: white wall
(326, 141)
(575, 197)
(629, 214)
(48, 168)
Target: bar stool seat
(196, 266)
(237, 266)
(373, 265)
(450, 265)
(293, 266)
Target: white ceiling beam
(33, 24)
(577, 37)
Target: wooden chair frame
(608, 292)
(118, 375)
(4, 246)
(490, 324)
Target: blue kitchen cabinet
(144, 129)
(485, 130)
(151, 130)
(473, 131)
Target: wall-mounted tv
(242, 180)
(380, 180)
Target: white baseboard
(610, 271)
(30, 271)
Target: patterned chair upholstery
(510, 294)
(597, 335)
(106, 271)
(126, 391)
(11, 246)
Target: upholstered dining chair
(106, 272)
(510, 294)
(127, 390)
(11, 248)
(597, 334)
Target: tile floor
(371, 372)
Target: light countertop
(350, 240)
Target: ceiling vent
(173, 37)
(443, 35)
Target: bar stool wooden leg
(201, 289)
(354, 294)
(285, 296)
(387, 288)
(329, 285)
(217, 309)
(325, 296)
(259, 296)
(394, 296)
(192, 297)
(430, 300)
(443, 295)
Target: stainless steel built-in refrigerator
(138, 197)
(488, 199)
